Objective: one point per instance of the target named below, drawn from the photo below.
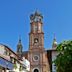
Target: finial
(54, 41)
(54, 36)
(37, 13)
(19, 38)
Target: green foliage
(15, 66)
(21, 68)
(63, 61)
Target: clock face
(36, 58)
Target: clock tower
(37, 55)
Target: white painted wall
(27, 64)
(2, 49)
(54, 54)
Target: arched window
(36, 40)
(36, 70)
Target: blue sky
(14, 21)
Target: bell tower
(36, 34)
(37, 54)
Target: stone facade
(39, 58)
(37, 54)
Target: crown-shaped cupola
(36, 22)
(36, 17)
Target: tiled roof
(25, 54)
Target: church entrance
(36, 70)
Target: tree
(63, 60)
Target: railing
(6, 64)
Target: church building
(40, 59)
